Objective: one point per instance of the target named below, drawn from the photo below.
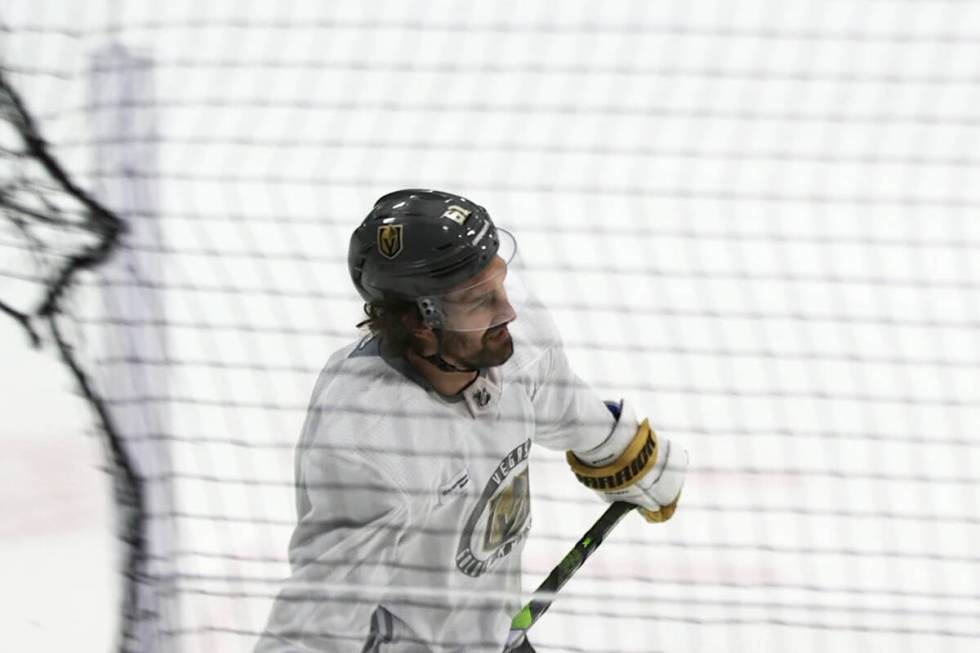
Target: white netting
(753, 219)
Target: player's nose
(505, 309)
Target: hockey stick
(561, 574)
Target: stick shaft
(544, 595)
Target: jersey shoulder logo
(390, 240)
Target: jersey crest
(500, 519)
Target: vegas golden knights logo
(390, 240)
(501, 518)
(508, 513)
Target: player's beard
(464, 349)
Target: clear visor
(489, 300)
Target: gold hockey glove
(636, 466)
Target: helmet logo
(390, 240)
(457, 214)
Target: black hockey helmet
(419, 243)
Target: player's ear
(424, 337)
(425, 341)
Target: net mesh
(752, 219)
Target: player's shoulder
(365, 347)
(359, 368)
(358, 386)
(365, 406)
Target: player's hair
(386, 319)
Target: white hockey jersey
(413, 508)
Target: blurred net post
(753, 219)
(131, 335)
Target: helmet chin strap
(440, 362)
(432, 316)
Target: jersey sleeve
(568, 413)
(342, 553)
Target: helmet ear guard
(434, 318)
(432, 314)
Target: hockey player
(412, 479)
